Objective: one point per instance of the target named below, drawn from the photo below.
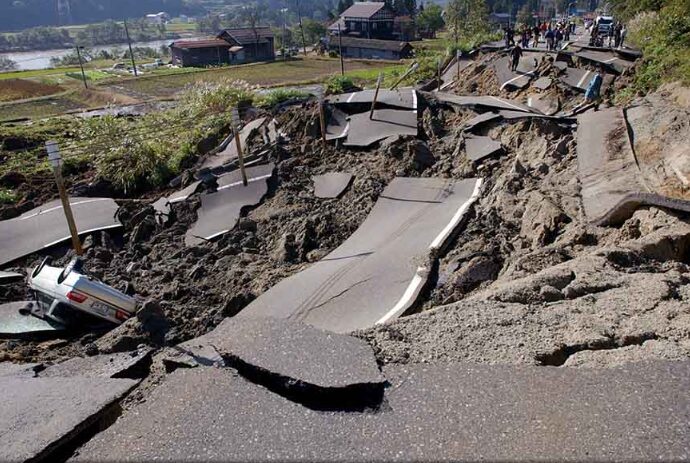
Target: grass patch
(278, 96)
(271, 74)
(37, 73)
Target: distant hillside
(21, 14)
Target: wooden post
(438, 74)
(458, 53)
(340, 50)
(131, 53)
(376, 95)
(409, 71)
(81, 65)
(322, 117)
(56, 163)
(238, 144)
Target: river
(40, 59)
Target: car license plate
(100, 308)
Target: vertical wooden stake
(322, 119)
(376, 95)
(438, 75)
(56, 162)
(458, 53)
(238, 144)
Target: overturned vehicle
(68, 296)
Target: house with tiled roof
(231, 46)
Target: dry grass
(20, 89)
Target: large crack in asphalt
(362, 398)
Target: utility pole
(81, 65)
(131, 53)
(238, 143)
(56, 162)
(301, 28)
(340, 50)
(285, 49)
(376, 95)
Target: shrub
(216, 97)
(339, 84)
(275, 97)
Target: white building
(158, 18)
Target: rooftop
(204, 43)
(362, 10)
(373, 43)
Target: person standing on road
(594, 88)
(617, 35)
(525, 38)
(566, 33)
(624, 31)
(515, 55)
(558, 36)
(536, 32)
(549, 39)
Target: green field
(277, 73)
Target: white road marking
(349, 99)
(417, 281)
(584, 77)
(610, 60)
(441, 238)
(411, 290)
(529, 74)
(502, 101)
(60, 207)
(249, 180)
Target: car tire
(40, 266)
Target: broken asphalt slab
(338, 124)
(443, 412)
(39, 416)
(331, 185)
(544, 103)
(46, 226)
(378, 273)
(320, 369)
(542, 83)
(580, 78)
(229, 153)
(508, 79)
(121, 365)
(478, 148)
(606, 58)
(220, 211)
(364, 131)
(395, 99)
(19, 369)
(17, 322)
(480, 120)
(612, 184)
(488, 102)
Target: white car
(57, 289)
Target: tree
(7, 64)
(524, 16)
(313, 30)
(466, 18)
(430, 20)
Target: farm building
(231, 46)
(371, 49)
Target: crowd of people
(614, 36)
(553, 34)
